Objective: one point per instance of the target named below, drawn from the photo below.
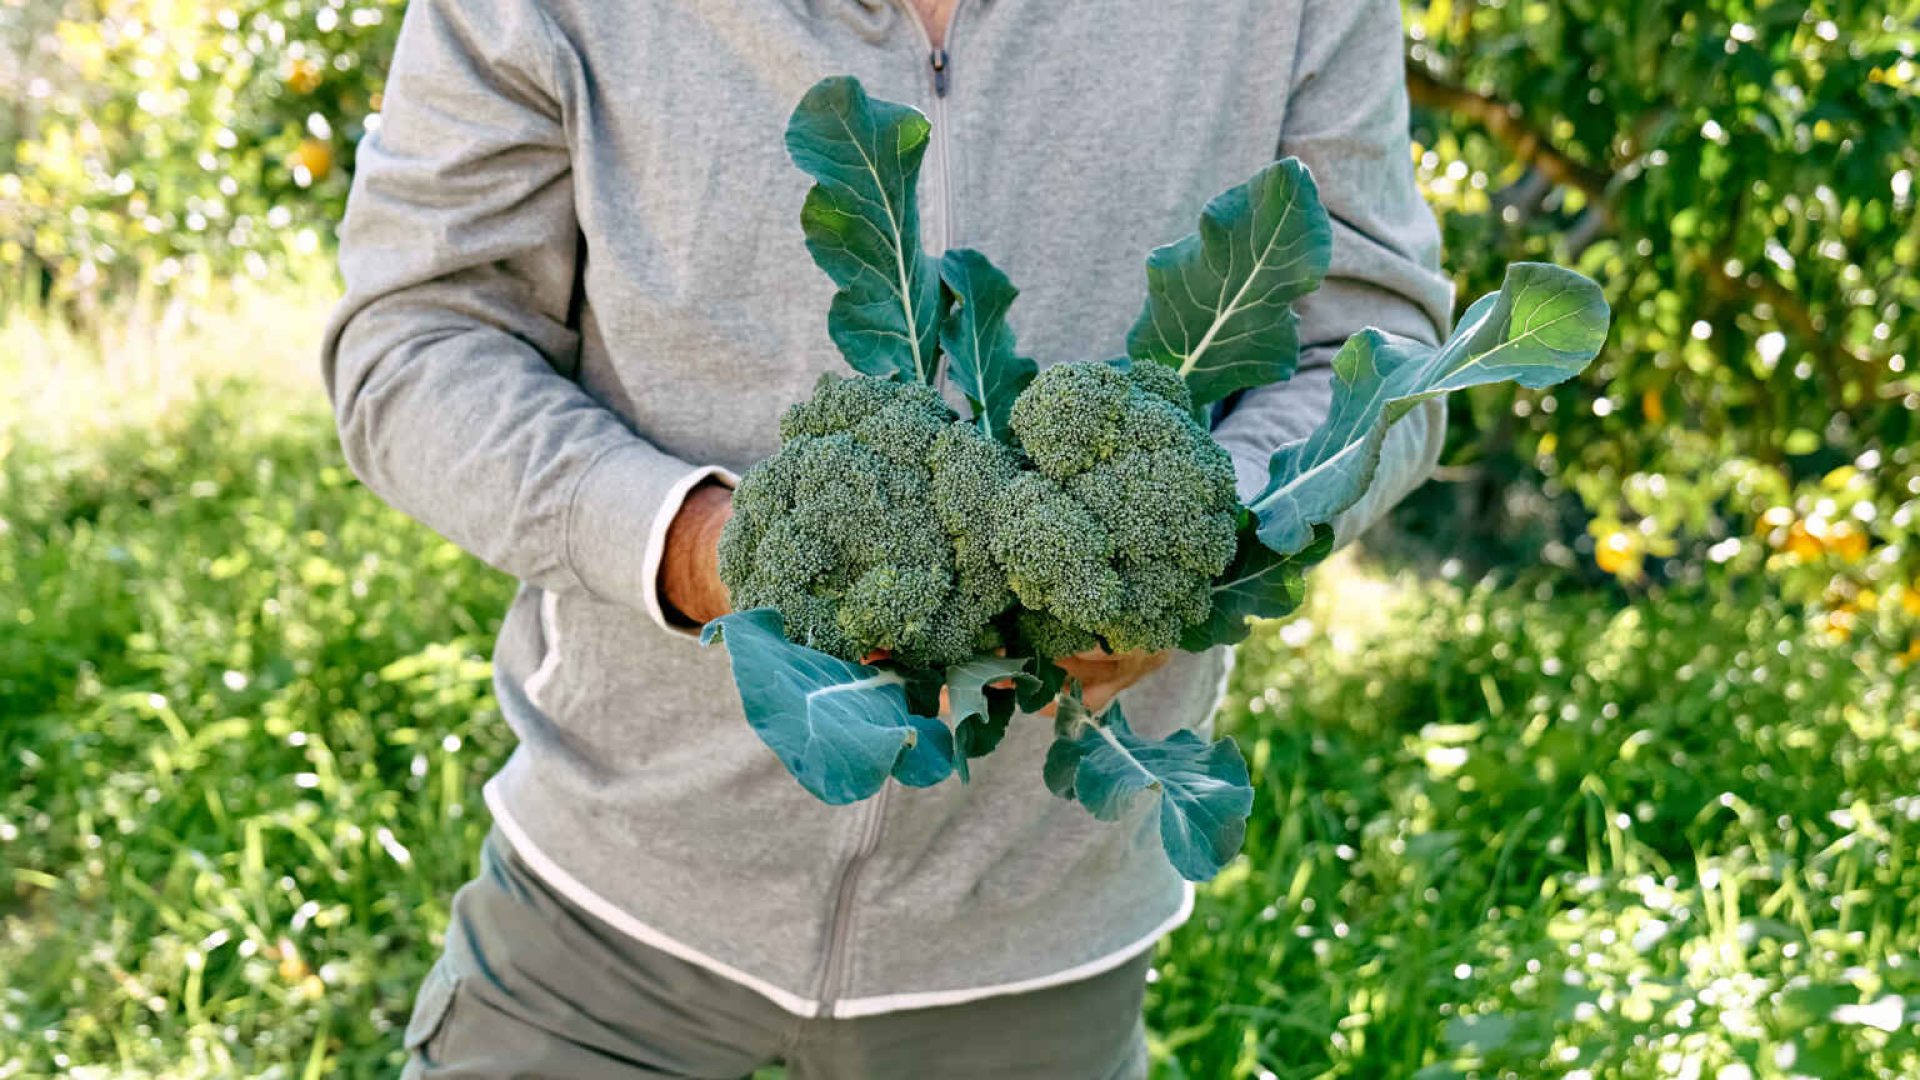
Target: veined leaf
(1260, 583)
(978, 341)
(862, 221)
(1543, 327)
(1219, 301)
(840, 728)
(1204, 791)
(981, 710)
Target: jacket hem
(798, 1004)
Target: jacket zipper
(839, 941)
(940, 71)
(941, 64)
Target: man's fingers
(1097, 697)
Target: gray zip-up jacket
(576, 286)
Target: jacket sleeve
(1347, 120)
(448, 359)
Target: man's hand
(1102, 675)
(690, 568)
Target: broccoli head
(834, 529)
(1127, 516)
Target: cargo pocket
(430, 1011)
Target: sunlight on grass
(1501, 830)
(67, 386)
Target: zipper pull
(938, 58)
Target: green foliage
(247, 712)
(1566, 837)
(984, 691)
(249, 715)
(1740, 175)
(1260, 583)
(156, 142)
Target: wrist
(689, 583)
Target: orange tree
(1740, 174)
(154, 139)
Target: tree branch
(1504, 123)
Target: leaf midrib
(899, 251)
(1223, 314)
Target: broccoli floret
(835, 529)
(1051, 638)
(1129, 515)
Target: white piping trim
(549, 640)
(604, 910)
(657, 544)
(1231, 657)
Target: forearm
(446, 358)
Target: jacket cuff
(617, 528)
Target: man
(577, 301)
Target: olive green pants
(531, 986)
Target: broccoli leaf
(1205, 793)
(981, 711)
(840, 728)
(978, 341)
(1219, 301)
(1542, 327)
(862, 221)
(1260, 583)
(929, 758)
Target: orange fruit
(315, 156)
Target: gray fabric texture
(531, 986)
(575, 276)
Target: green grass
(1501, 832)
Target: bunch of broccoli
(903, 578)
(887, 524)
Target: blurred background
(1602, 760)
